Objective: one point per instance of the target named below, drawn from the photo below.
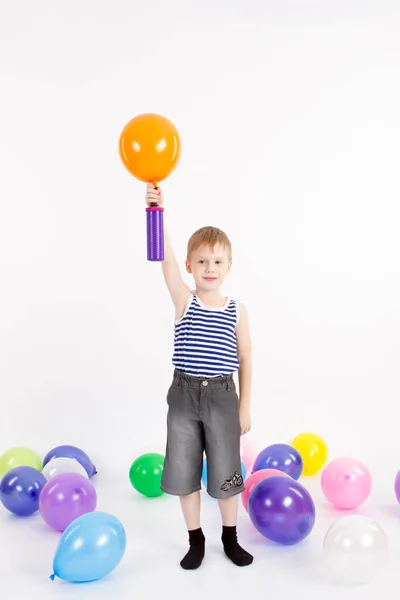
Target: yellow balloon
(19, 457)
(312, 450)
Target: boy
(212, 342)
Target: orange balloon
(150, 147)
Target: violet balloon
(282, 510)
(72, 452)
(397, 487)
(20, 490)
(281, 457)
(66, 497)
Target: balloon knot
(52, 577)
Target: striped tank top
(205, 339)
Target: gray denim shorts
(203, 416)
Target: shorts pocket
(175, 391)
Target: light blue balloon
(204, 475)
(90, 548)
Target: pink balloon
(66, 497)
(346, 483)
(247, 452)
(255, 478)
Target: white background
(290, 124)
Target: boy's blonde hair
(211, 236)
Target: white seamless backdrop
(290, 130)
(290, 124)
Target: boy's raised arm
(179, 291)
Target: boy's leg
(191, 510)
(183, 463)
(225, 481)
(191, 513)
(228, 508)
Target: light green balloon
(19, 457)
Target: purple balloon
(71, 452)
(66, 497)
(280, 457)
(282, 510)
(20, 489)
(397, 486)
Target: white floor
(157, 540)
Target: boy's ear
(188, 267)
(229, 266)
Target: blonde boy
(205, 414)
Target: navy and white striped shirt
(205, 339)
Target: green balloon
(145, 474)
(19, 457)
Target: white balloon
(56, 466)
(355, 548)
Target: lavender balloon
(282, 510)
(66, 497)
(280, 457)
(71, 452)
(20, 489)
(155, 232)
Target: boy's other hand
(245, 420)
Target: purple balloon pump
(155, 232)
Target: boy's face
(209, 267)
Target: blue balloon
(280, 457)
(20, 489)
(71, 452)
(90, 548)
(204, 475)
(282, 510)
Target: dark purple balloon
(280, 457)
(20, 489)
(71, 452)
(282, 510)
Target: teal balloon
(90, 548)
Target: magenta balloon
(397, 487)
(66, 497)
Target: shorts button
(205, 383)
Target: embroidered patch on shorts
(236, 480)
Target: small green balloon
(145, 474)
(19, 457)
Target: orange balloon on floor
(150, 147)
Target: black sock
(238, 556)
(194, 558)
